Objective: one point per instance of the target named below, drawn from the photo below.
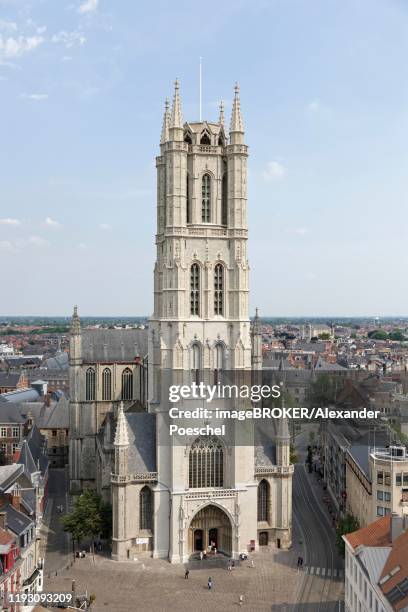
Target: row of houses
(23, 498)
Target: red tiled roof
(375, 534)
(398, 557)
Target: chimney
(15, 499)
(396, 526)
(3, 520)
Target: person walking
(210, 584)
(252, 563)
(201, 555)
(186, 574)
(241, 600)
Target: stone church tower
(230, 492)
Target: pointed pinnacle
(221, 119)
(236, 118)
(176, 119)
(166, 123)
(121, 433)
(75, 322)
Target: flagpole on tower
(201, 74)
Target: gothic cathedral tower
(200, 328)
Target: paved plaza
(149, 584)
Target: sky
(324, 96)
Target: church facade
(174, 496)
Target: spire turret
(221, 118)
(75, 322)
(176, 117)
(166, 123)
(237, 125)
(121, 433)
(256, 327)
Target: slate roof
(326, 366)
(12, 413)
(16, 520)
(20, 395)
(31, 454)
(361, 448)
(8, 474)
(9, 379)
(113, 345)
(142, 442)
(59, 362)
(264, 446)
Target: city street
(55, 543)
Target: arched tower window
(196, 362)
(127, 384)
(188, 200)
(219, 289)
(195, 289)
(187, 138)
(206, 463)
(106, 384)
(206, 199)
(205, 139)
(146, 509)
(224, 202)
(263, 501)
(90, 384)
(218, 363)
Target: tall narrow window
(196, 363)
(106, 384)
(188, 200)
(219, 289)
(90, 385)
(145, 509)
(263, 501)
(224, 203)
(127, 384)
(218, 363)
(195, 289)
(206, 463)
(206, 199)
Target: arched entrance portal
(210, 524)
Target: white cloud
(88, 6)
(82, 245)
(52, 222)
(69, 39)
(8, 247)
(38, 241)
(34, 96)
(300, 231)
(15, 47)
(9, 221)
(66, 58)
(105, 226)
(274, 171)
(8, 26)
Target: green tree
(347, 524)
(324, 336)
(293, 455)
(378, 334)
(397, 335)
(88, 519)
